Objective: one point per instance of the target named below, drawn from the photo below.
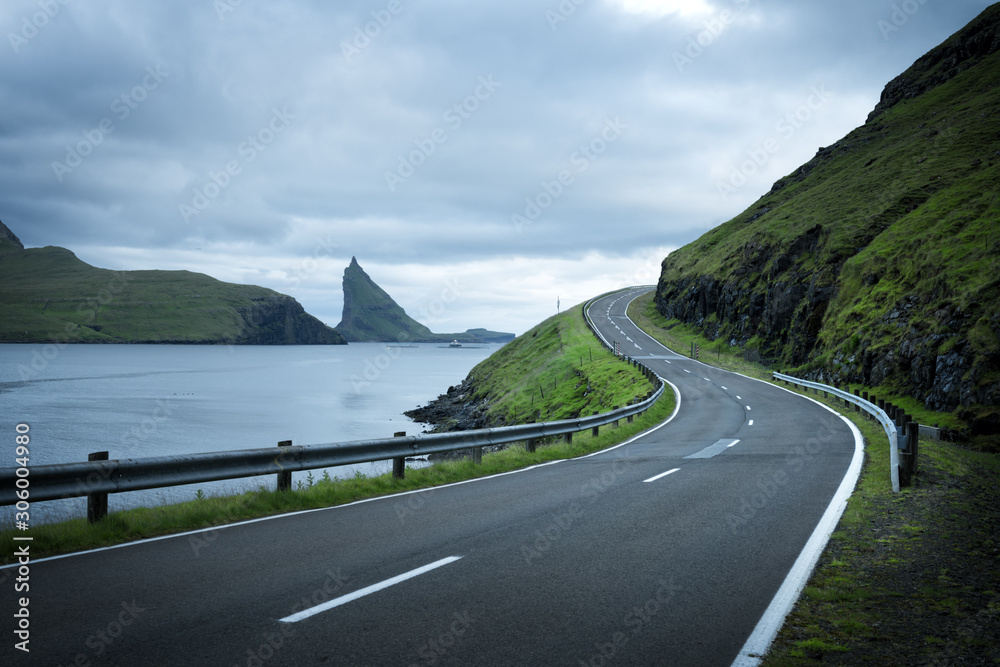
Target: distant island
(48, 295)
(371, 315)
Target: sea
(136, 401)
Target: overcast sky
(480, 159)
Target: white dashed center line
(662, 474)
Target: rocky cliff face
(281, 320)
(877, 262)
(968, 48)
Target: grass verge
(556, 370)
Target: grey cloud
(364, 104)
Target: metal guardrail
(97, 478)
(907, 441)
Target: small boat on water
(454, 343)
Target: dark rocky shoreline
(457, 410)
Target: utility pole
(557, 305)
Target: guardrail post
(285, 476)
(530, 444)
(399, 463)
(568, 438)
(913, 429)
(857, 392)
(906, 427)
(97, 503)
(477, 455)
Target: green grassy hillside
(876, 262)
(49, 295)
(556, 370)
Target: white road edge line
(662, 474)
(344, 599)
(774, 616)
(677, 408)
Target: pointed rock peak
(8, 235)
(353, 271)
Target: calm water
(136, 401)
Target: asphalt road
(664, 551)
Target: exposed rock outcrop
(966, 49)
(281, 320)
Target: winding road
(667, 550)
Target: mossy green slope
(556, 370)
(876, 262)
(49, 295)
